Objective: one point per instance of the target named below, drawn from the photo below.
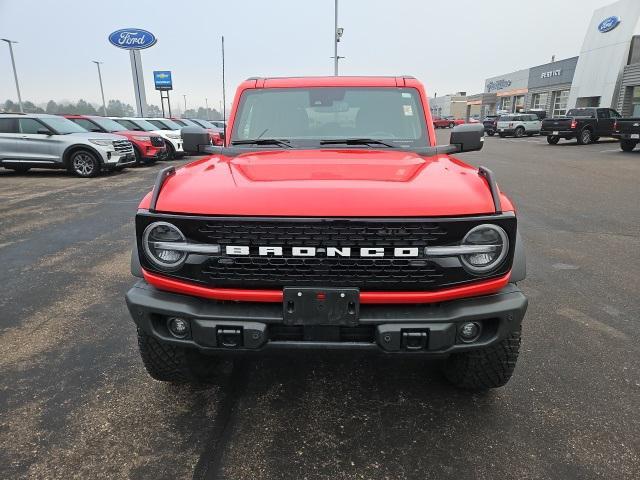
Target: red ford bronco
(329, 219)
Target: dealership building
(605, 74)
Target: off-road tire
(519, 133)
(491, 133)
(551, 140)
(627, 145)
(169, 363)
(485, 368)
(585, 137)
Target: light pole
(206, 102)
(336, 38)
(185, 103)
(104, 105)
(15, 74)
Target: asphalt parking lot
(75, 401)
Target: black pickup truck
(627, 130)
(586, 125)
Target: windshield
(307, 116)
(137, 124)
(183, 122)
(165, 124)
(108, 124)
(205, 124)
(63, 126)
(580, 112)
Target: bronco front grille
(387, 273)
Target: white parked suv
(519, 125)
(48, 141)
(172, 138)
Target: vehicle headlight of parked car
(104, 143)
(482, 249)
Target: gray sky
(449, 45)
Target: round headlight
(157, 239)
(496, 246)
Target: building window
(506, 104)
(539, 101)
(635, 101)
(560, 102)
(519, 103)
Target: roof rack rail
(162, 177)
(493, 187)
(13, 113)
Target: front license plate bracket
(321, 306)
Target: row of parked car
(585, 125)
(450, 122)
(87, 144)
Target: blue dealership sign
(132, 39)
(162, 80)
(609, 24)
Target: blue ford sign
(132, 39)
(609, 24)
(162, 80)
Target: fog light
(469, 332)
(178, 327)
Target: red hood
(331, 183)
(131, 133)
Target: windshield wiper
(356, 141)
(263, 141)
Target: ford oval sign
(132, 39)
(608, 24)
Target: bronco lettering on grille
(398, 252)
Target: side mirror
(468, 137)
(216, 139)
(195, 139)
(44, 131)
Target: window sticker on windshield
(408, 111)
(406, 95)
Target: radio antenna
(224, 99)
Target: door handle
(24, 137)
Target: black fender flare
(519, 267)
(136, 268)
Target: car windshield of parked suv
(183, 122)
(108, 124)
(63, 126)
(206, 124)
(138, 124)
(580, 112)
(165, 124)
(313, 117)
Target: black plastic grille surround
(369, 273)
(157, 141)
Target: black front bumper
(433, 328)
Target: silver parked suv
(48, 141)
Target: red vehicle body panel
(439, 122)
(146, 149)
(272, 296)
(328, 182)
